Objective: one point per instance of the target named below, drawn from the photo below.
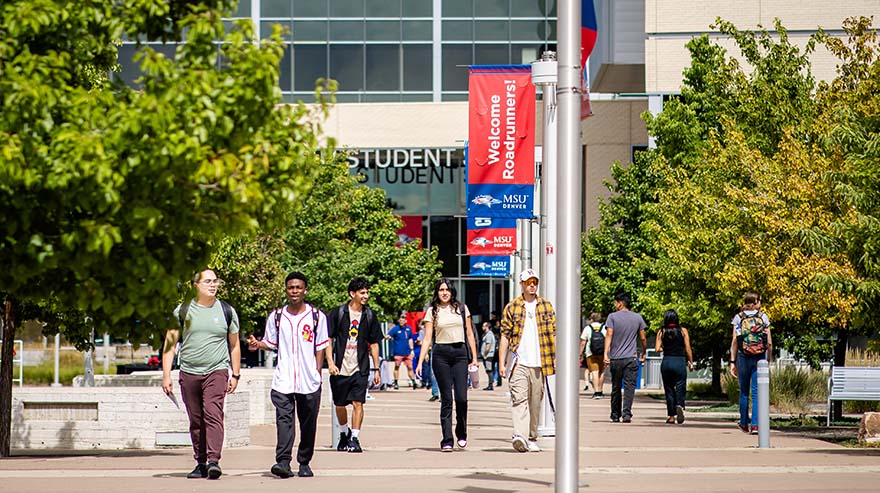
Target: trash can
(653, 380)
(639, 376)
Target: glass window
(274, 8)
(266, 28)
(244, 8)
(526, 53)
(490, 31)
(445, 236)
(458, 8)
(454, 64)
(458, 30)
(416, 98)
(527, 30)
(527, 8)
(128, 70)
(309, 64)
(491, 55)
(310, 30)
(346, 30)
(285, 80)
(417, 68)
(310, 8)
(393, 97)
(490, 8)
(383, 8)
(463, 96)
(347, 66)
(417, 8)
(383, 67)
(383, 30)
(346, 8)
(417, 31)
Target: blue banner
(490, 266)
(491, 200)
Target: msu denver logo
(481, 266)
(481, 242)
(486, 200)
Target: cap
(528, 274)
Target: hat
(528, 274)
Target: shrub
(791, 388)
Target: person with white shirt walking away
(527, 355)
(298, 332)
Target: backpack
(278, 320)
(752, 337)
(597, 342)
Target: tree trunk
(716, 370)
(6, 377)
(839, 360)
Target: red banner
(501, 125)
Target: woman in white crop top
(448, 324)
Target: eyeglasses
(212, 282)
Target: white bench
(853, 383)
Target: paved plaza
(401, 438)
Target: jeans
(305, 408)
(450, 369)
(427, 372)
(673, 369)
(747, 371)
(623, 370)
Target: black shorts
(346, 390)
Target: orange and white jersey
(296, 340)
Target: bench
(853, 383)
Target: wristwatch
(236, 376)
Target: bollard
(763, 404)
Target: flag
(589, 29)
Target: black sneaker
(415, 386)
(434, 398)
(201, 471)
(282, 470)
(396, 387)
(214, 470)
(490, 387)
(354, 445)
(305, 471)
(342, 446)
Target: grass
(792, 389)
(70, 364)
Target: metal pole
(763, 404)
(545, 75)
(568, 303)
(106, 353)
(55, 382)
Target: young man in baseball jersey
(298, 332)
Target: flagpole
(569, 246)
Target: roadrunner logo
(486, 200)
(481, 242)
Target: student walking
(593, 351)
(354, 337)
(528, 355)
(448, 332)
(403, 348)
(623, 354)
(487, 352)
(675, 344)
(751, 342)
(298, 332)
(209, 345)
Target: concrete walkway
(401, 439)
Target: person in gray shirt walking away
(623, 354)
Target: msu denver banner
(490, 266)
(491, 236)
(501, 141)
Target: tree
(345, 230)
(112, 195)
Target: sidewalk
(401, 439)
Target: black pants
(673, 369)
(623, 371)
(306, 407)
(450, 369)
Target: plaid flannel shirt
(513, 321)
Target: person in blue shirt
(402, 348)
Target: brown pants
(203, 396)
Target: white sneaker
(533, 446)
(520, 444)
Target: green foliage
(111, 195)
(345, 230)
(792, 389)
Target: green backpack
(752, 337)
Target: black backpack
(227, 314)
(597, 342)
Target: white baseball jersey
(297, 341)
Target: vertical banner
(589, 30)
(501, 141)
(490, 266)
(491, 236)
(411, 230)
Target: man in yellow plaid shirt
(527, 354)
